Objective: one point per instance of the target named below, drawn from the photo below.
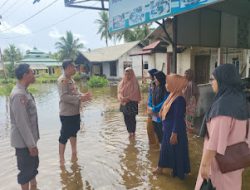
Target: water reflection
(130, 165)
(72, 178)
(107, 158)
(5, 122)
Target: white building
(111, 61)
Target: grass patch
(46, 78)
(5, 90)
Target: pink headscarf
(129, 87)
(175, 85)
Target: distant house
(41, 63)
(111, 61)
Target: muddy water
(107, 158)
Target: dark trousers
(70, 127)
(130, 122)
(158, 130)
(27, 165)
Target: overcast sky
(44, 29)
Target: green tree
(116, 37)
(12, 55)
(55, 55)
(68, 47)
(137, 33)
(103, 28)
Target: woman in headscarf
(129, 96)
(224, 124)
(174, 147)
(191, 95)
(159, 96)
(150, 128)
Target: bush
(8, 81)
(5, 90)
(97, 81)
(77, 77)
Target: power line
(11, 6)
(14, 10)
(47, 27)
(60, 21)
(25, 20)
(3, 4)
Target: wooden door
(202, 67)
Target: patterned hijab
(175, 85)
(129, 86)
(192, 88)
(230, 99)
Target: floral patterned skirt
(190, 112)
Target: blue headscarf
(152, 72)
(230, 100)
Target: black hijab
(230, 99)
(160, 91)
(152, 72)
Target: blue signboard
(124, 14)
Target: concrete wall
(136, 62)
(205, 100)
(58, 70)
(160, 61)
(183, 61)
(153, 61)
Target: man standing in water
(69, 105)
(24, 127)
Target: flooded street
(107, 159)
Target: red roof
(142, 53)
(151, 46)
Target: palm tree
(138, 33)
(103, 23)
(11, 55)
(117, 36)
(68, 47)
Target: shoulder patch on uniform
(23, 100)
(64, 81)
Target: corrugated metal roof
(111, 53)
(151, 46)
(38, 67)
(141, 53)
(34, 57)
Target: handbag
(130, 108)
(207, 185)
(237, 156)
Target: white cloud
(20, 29)
(54, 33)
(81, 40)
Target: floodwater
(107, 158)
